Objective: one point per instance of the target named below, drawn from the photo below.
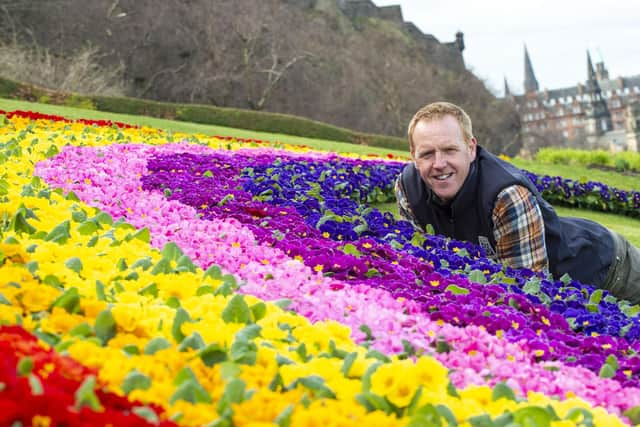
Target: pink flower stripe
(109, 178)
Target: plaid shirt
(518, 227)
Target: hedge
(204, 114)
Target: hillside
(336, 61)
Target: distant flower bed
(197, 280)
(623, 161)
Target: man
(467, 193)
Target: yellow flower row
(168, 338)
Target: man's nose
(439, 160)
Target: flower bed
(222, 281)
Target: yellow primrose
(264, 406)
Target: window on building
(604, 125)
(565, 134)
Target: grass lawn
(627, 226)
(187, 127)
(581, 173)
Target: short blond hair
(437, 111)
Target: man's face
(441, 155)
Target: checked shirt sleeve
(519, 229)
(404, 209)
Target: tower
(530, 82)
(597, 113)
(507, 91)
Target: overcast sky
(557, 34)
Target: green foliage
(622, 161)
(210, 115)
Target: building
(599, 113)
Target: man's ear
(473, 144)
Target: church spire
(507, 91)
(591, 74)
(530, 82)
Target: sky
(557, 34)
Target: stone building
(600, 112)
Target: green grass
(186, 127)
(575, 172)
(628, 227)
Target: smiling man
(467, 193)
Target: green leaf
(282, 303)
(237, 311)
(87, 227)
(477, 276)
(457, 290)
(171, 251)
(162, 267)
(348, 363)
(184, 263)
(243, 352)
(151, 289)
(566, 279)
(284, 418)
(258, 310)
(135, 381)
(234, 391)
(144, 263)
(633, 414)
(100, 291)
(583, 417)
(72, 196)
(502, 391)
(248, 333)
(350, 249)
(367, 330)
(4, 300)
(131, 349)
(81, 330)
(533, 416)
(212, 354)
(316, 384)
(25, 366)
(213, 272)
(74, 264)
(612, 361)
(35, 385)
(86, 396)
(373, 402)
(181, 317)
(484, 421)
(532, 286)
(607, 371)
(147, 413)
(208, 174)
(103, 218)
(20, 225)
(105, 326)
(142, 234)
(191, 391)
(69, 301)
(596, 296)
(193, 341)
(156, 345)
(229, 370)
(60, 233)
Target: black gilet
(582, 248)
